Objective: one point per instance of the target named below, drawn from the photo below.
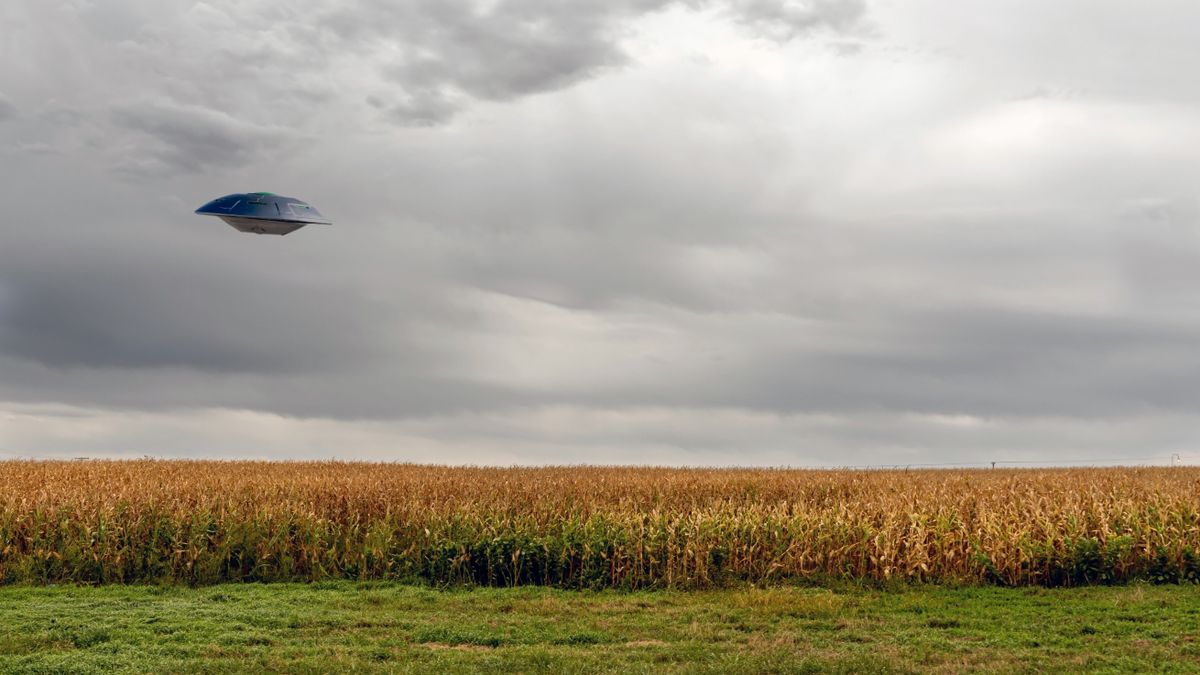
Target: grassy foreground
(385, 627)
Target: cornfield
(200, 522)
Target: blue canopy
(263, 212)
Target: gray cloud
(229, 81)
(154, 316)
(425, 108)
(733, 245)
(449, 52)
(188, 138)
(7, 109)
(791, 19)
(985, 363)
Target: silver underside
(260, 226)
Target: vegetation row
(582, 527)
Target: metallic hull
(263, 213)
(262, 226)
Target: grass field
(637, 569)
(386, 627)
(576, 527)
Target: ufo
(263, 213)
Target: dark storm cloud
(163, 305)
(449, 52)
(233, 81)
(984, 363)
(154, 316)
(393, 392)
(186, 138)
(512, 50)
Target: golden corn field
(202, 522)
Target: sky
(697, 232)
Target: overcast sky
(754, 232)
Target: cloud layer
(705, 231)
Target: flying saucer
(263, 213)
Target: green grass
(381, 627)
